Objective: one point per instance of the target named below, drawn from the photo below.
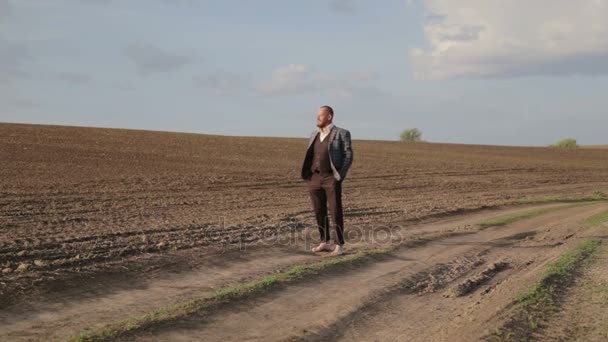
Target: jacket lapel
(312, 138)
(332, 135)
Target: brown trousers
(325, 189)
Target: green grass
(539, 299)
(552, 199)
(597, 219)
(502, 333)
(510, 218)
(557, 272)
(549, 199)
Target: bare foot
(339, 250)
(322, 247)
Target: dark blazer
(340, 153)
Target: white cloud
(507, 38)
(343, 6)
(74, 78)
(295, 79)
(149, 58)
(222, 82)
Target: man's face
(323, 118)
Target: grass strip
(533, 305)
(597, 219)
(554, 199)
(224, 295)
(510, 218)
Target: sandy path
(438, 317)
(401, 298)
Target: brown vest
(320, 159)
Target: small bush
(411, 135)
(566, 143)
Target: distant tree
(411, 135)
(566, 143)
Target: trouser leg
(333, 191)
(318, 199)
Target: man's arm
(347, 152)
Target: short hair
(329, 109)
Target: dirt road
(411, 294)
(404, 298)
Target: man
(328, 157)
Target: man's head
(325, 116)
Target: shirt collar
(327, 128)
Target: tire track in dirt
(583, 312)
(384, 301)
(90, 306)
(438, 318)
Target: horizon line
(260, 136)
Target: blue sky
(462, 71)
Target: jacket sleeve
(347, 152)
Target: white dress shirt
(325, 131)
